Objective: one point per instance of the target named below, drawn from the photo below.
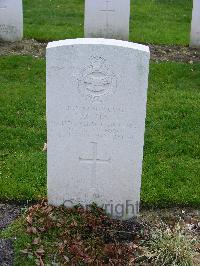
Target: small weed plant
(172, 247)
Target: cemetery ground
(170, 183)
(170, 171)
(158, 52)
(43, 20)
(171, 162)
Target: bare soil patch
(158, 52)
(8, 213)
(174, 53)
(25, 47)
(6, 252)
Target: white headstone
(96, 108)
(11, 20)
(195, 29)
(107, 19)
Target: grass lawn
(152, 21)
(171, 173)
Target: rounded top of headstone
(99, 41)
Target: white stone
(195, 29)
(96, 108)
(11, 20)
(107, 19)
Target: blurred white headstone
(11, 20)
(107, 19)
(195, 29)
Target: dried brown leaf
(24, 251)
(40, 251)
(31, 230)
(29, 219)
(36, 241)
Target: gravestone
(107, 19)
(11, 20)
(195, 28)
(96, 108)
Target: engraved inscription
(94, 160)
(7, 29)
(93, 122)
(97, 80)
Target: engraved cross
(94, 160)
(107, 10)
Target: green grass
(22, 133)
(171, 172)
(172, 142)
(152, 21)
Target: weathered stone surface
(11, 20)
(96, 108)
(107, 19)
(195, 29)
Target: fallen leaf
(66, 258)
(36, 241)
(31, 230)
(25, 251)
(45, 147)
(29, 219)
(40, 251)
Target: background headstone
(96, 108)
(195, 29)
(11, 20)
(107, 19)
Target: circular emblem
(97, 80)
